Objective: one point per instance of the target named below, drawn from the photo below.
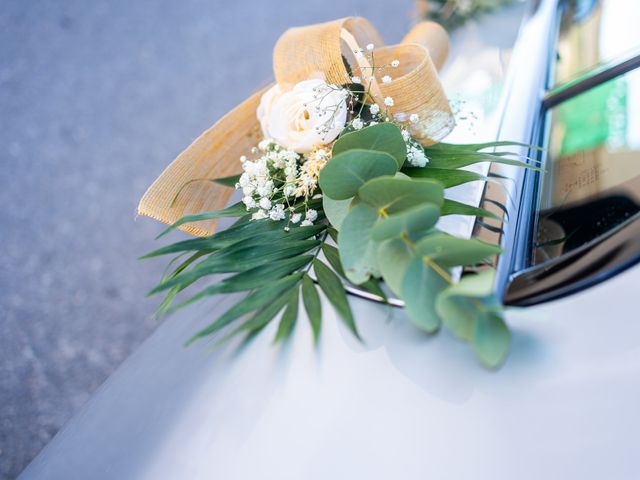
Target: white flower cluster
(415, 153)
(276, 177)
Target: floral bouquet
(342, 177)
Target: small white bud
(386, 79)
(395, 63)
(370, 47)
(388, 102)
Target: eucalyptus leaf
(393, 195)
(417, 220)
(491, 339)
(451, 251)
(393, 257)
(382, 137)
(420, 287)
(336, 210)
(357, 249)
(470, 308)
(341, 178)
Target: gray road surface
(95, 99)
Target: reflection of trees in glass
(453, 13)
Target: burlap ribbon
(301, 53)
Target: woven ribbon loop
(327, 50)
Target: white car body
(399, 405)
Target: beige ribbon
(299, 54)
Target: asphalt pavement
(96, 98)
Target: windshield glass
(592, 179)
(593, 32)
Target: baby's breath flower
(259, 215)
(374, 109)
(414, 118)
(265, 144)
(306, 223)
(357, 123)
(277, 212)
(416, 156)
(356, 79)
(386, 79)
(406, 135)
(249, 202)
(370, 47)
(395, 63)
(389, 102)
(265, 203)
(311, 215)
(296, 217)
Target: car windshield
(594, 32)
(592, 180)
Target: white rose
(310, 114)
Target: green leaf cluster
(382, 213)
(386, 217)
(266, 262)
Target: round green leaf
(460, 304)
(452, 251)
(420, 287)
(416, 220)
(393, 256)
(397, 194)
(336, 210)
(383, 137)
(491, 339)
(357, 250)
(346, 172)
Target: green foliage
(392, 194)
(336, 210)
(383, 137)
(421, 285)
(444, 176)
(348, 171)
(454, 13)
(416, 221)
(383, 216)
(312, 305)
(473, 314)
(357, 249)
